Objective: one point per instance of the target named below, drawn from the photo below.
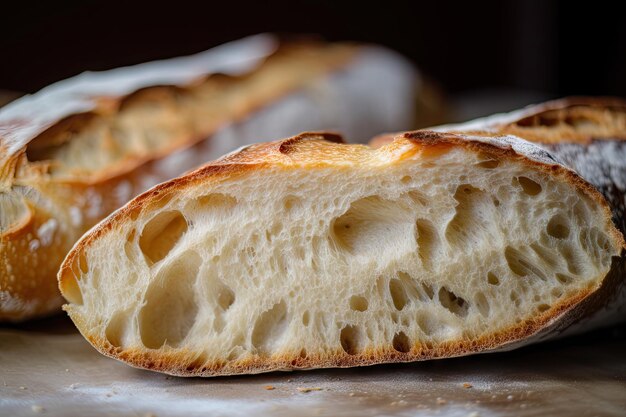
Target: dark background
(548, 48)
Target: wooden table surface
(47, 368)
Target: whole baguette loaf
(308, 253)
(77, 150)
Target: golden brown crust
(568, 120)
(309, 150)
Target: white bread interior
(337, 255)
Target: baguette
(75, 151)
(307, 253)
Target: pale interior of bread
(339, 260)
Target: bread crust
(80, 196)
(307, 151)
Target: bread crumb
(302, 389)
(352, 394)
(441, 400)
(510, 397)
(269, 387)
(473, 414)
(73, 386)
(67, 370)
(467, 385)
(398, 403)
(22, 387)
(37, 409)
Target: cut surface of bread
(308, 253)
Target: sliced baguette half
(308, 253)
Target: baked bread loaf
(308, 253)
(79, 149)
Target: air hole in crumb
(545, 254)
(394, 316)
(483, 304)
(398, 293)
(581, 212)
(543, 307)
(514, 297)
(521, 265)
(427, 323)
(418, 197)
(291, 202)
(358, 303)
(170, 307)
(225, 297)
(558, 227)
(529, 186)
(426, 292)
(270, 327)
(491, 164)
(372, 223)
(492, 278)
(303, 353)
(556, 292)
(473, 219)
(82, 262)
(573, 259)
(216, 201)
(564, 279)
(306, 317)
(129, 244)
(427, 241)
(69, 283)
(350, 339)
(406, 179)
(401, 342)
(115, 328)
(452, 302)
(161, 234)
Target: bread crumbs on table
(303, 389)
(37, 408)
(269, 387)
(467, 385)
(441, 400)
